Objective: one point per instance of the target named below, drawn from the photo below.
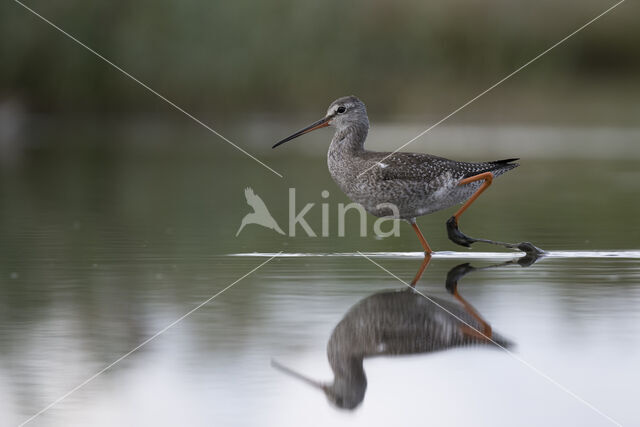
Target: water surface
(106, 241)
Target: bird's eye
(341, 109)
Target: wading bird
(405, 185)
(400, 322)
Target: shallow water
(106, 243)
(451, 254)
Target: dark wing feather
(498, 167)
(425, 167)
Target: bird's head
(341, 393)
(341, 114)
(345, 396)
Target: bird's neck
(345, 358)
(350, 138)
(350, 381)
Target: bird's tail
(502, 341)
(497, 167)
(502, 166)
(506, 162)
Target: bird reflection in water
(401, 322)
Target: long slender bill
(317, 125)
(295, 374)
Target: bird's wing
(254, 200)
(408, 166)
(426, 167)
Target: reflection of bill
(400, 322)
(260, 214)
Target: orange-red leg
(487, 177)
(455, 235)
(423, 266)
(486, 327)
(423, 241)
(453, 276)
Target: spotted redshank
(404, 185)
(396, 323)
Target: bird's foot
(532, 252)
(530, 249)
(457, 236)
(455, 274)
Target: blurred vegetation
(278, 55)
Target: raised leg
(486, 332)
(455, 235)
(423, 241)
(452, 286)
(487, 177)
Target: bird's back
(427, 167)
(404, 322)
(417, 184)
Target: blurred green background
(80, 143)
(405, 58)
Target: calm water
(108, 238)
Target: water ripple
(626, 254)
